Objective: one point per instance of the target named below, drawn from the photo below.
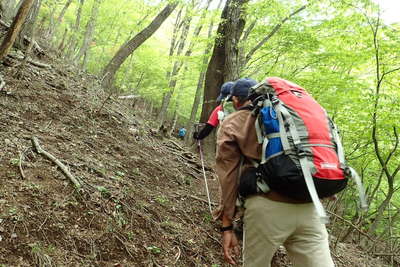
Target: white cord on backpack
(360, 187)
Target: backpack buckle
(301, 152)
(274, 100)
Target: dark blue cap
(225, 91)
(241, 87)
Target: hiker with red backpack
(279, 153)
(217, 114)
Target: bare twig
(178, 255)
(387, 254)
(123, 243)
(337, 258)
(2, 83)
(128, 96)
(39, 150)
(21, 158)
(104, 102)
(352, 225)
(175, 144)
(203, 200)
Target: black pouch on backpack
(248, 182)
(283, 176)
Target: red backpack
(302, 155)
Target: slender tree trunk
(175, 71)
(200, 83)
(15, 28)
(174, 120)
(57, 23)
(129, 47)
(75, 29)
(177, 26)
(85, 59)
(185, 31)
(51, 19)
(90, 27)
(61, 46)
(177, 104)
(150, 113)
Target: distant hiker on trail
(217, 114)
(270, 219)
(182, 133)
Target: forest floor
(142, 201)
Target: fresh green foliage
(154, 249)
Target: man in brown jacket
(270, 219)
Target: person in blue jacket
(182, 133)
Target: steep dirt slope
(137, 205)
(142, 196)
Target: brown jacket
(236, 137)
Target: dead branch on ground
(14, 55)
(39, 150)
(128, 96)
(2, 83)
(202, 200)
(104, 102)
(21, 158)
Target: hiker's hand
(230, 246)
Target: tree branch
(272, 33)
(39, 150)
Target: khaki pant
(269, 224)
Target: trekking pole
(204, 174)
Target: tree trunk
(15, 28)
(177, 104)
(200, 82)
(90, 27)
(177, 25)
(217, 73)
(57, 23)
(223, 65)
(188, 53)
(28, 26)
(176, 68)
(129, 47)
(51, 15)
(75, 30)
(233, 30)
(32, 38)
(61, 46)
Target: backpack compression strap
(304, 162)
(353, 173)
